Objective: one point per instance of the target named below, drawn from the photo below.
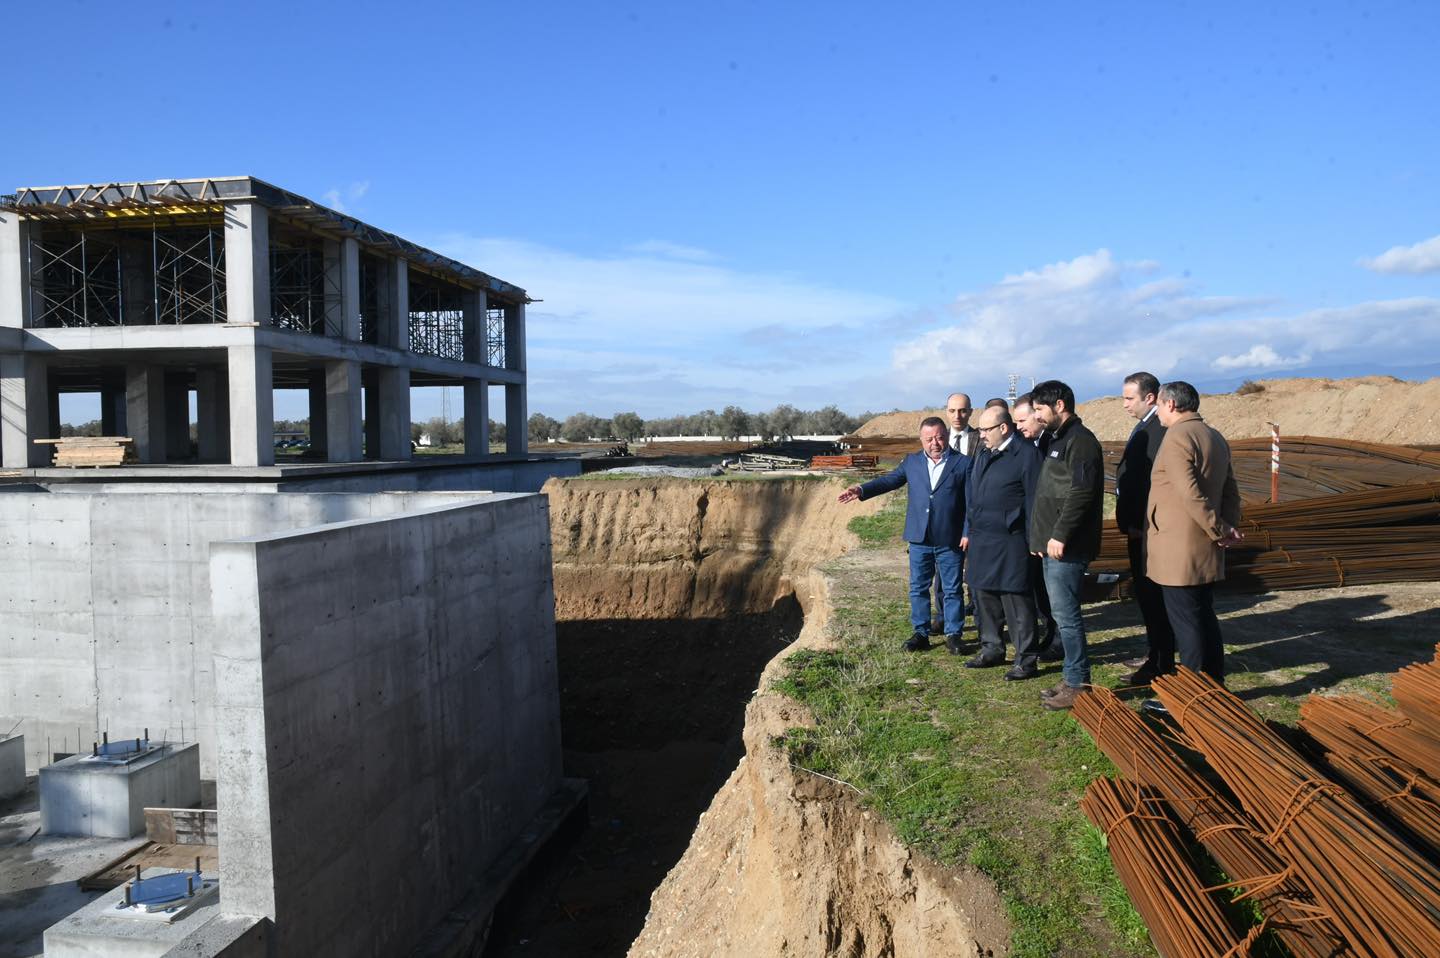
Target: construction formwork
(228, 288)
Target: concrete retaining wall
(388, 703)
(105, 620)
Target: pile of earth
(1367, 408)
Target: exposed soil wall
(672, 596)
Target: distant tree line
(731, 422)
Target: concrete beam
(342, 412)
(394, 414)
(477, 418)
(252, 406)
(247, 263)
(145, 411)
(24, 411)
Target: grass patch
(884, 527)
(968, 769)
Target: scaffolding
(126, 276)
(304, 294)
(495, 337)
(374, 296)
(437, 317)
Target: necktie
(959, 444)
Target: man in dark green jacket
(1065, 526)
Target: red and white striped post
(1274, 461)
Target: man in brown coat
(1193, 510)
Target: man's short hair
(1005, 417)
(930, 421)
(1182, 394)
(1024, 399)
(997, 401)
(1052, 391)
(1144, 382)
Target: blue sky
(817, 203)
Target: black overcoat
(997, 516)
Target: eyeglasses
(988, 428)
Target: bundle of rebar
(1383, 895)
(1350, 723)
(1142, 756)
(1150, 857)
(1417, 692)
(1397, 789)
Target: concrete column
(395, 329)
(350, 289)
(177, 415)
(370, 381)
(14, 271)
(252, 406)
(52, 409)
(342, 412)
(474, 307)
(247, 266)
(316, 391)
(394, 413)
(515, 337)
(477, 417)
(517, 441)
(112, 403)
(24, 412)
(212, 414)
(145, 411)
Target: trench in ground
(651, 716)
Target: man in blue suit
(997, 510)
(934, 521)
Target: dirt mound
(647, 549)
(905, 424)
(1370, 408)
(785, 862)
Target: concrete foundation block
(86, 795)
(96, 931)
(12, 766)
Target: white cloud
(340, 199)
(669, 250)
(1093, 320)
(1422, 257)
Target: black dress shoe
(954, 645)
(1136, 662)
(983, 661)
(918, 642)
(1018, 674)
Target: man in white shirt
(965, 440)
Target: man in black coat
(1132, 492)
(1033, 433)
(997, 496)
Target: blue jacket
(931, 518)
(997, 518)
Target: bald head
(958, 410)
(995, 425)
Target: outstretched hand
(851, 494)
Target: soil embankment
(672, 596)
(1368, 408)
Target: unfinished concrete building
(230, 288)
(360, 644)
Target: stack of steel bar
(1141, 755)
(1384, 535)
(1383, 895)
(1417, 692)
(1399, 789)
(1150, 856)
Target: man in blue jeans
(1065, 526)
(934, 521)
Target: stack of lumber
(92, 450)
(1333, 837)
(834, 463)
